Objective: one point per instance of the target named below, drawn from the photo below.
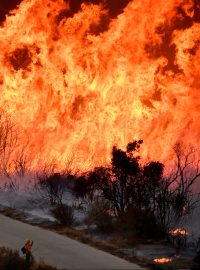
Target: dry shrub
(11, 260)
(98, 215)
(64, 214)
(134, 224)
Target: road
(58, 250)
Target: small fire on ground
(162, 260)
(178, 231)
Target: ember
(162, 260)
(178, 231)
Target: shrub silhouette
(99, 215)
(64, 214)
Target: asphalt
(58, 250)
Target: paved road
(57, 250)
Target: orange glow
(74, 91)
(162, 260)
(178, 231)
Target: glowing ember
(162, 260)
(178, 231)
(77, 79)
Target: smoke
(6, 7)
(112, 7)
(184, 18)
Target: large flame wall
(78, 79)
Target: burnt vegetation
(132, 198)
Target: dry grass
(11, 260)
(13, 213)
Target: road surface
(58, 250)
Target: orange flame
(76, 85)
(162, 260)
(179, 231)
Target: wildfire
(179, 231)
(77, 80)
(162, 260)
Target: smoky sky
(114, 7)
(166, 48)
(6, 6)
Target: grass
(11, 260)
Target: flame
(179, 231)
(77, 83)
(162, 260)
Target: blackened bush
(99, 215)
(64, 214)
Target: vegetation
(64, 214)
(99, 216)
(141, 199)
(122, 197)
(10, 260)
(52, 187)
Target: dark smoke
(197, 11)
(6, 6)
(114, 8)
(21, 58)
(180, 22)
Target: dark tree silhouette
(143, 191)
(52, 187)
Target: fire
(162, 260)
(77, 80)
(179, 231)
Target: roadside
(11, 260)
(58, 250)
(140, 254)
